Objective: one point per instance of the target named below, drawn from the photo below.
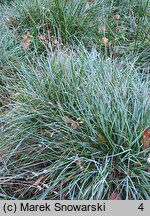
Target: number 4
(141, 207)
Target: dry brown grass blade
(146, 138)
(38, 181)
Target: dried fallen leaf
(26, 44)
(115, 196)
(37, 182)
(26, 39)
(137, 165)
(100, 138)
(105, 41)
(146, 138)
(42, 38)
(74, 124)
